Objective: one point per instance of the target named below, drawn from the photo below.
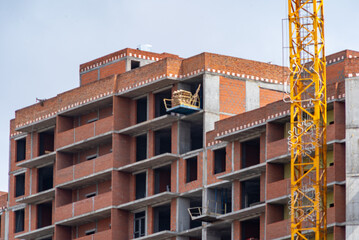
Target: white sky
(43, 42)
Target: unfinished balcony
(241, 134)
(41, 233)
(85, 173)
(86, 136)
(250, 212)
(97, 236)
(84, 211)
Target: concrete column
(184, 219)
(352, 156)
(252, 95)
(184, 131)
(211, 104)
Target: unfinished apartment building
(107, 161)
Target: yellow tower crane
(308, 99)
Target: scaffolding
(183, 102)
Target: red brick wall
(232, 96)
(269, 96)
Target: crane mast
(307, 140)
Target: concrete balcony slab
(243, 133)
(149, 163)
(151, 200)
(87, 143)
(245, 173)
(158, 236)
(38, 233)
(36, 126)
(246, 213)
(87, 180)
(38, 161)
(194, 232)
(153, 124)
(148, 87)
(40, 197)
(87, 217)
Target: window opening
(140, 185)
(163, 143)
(219, 160)
(19, 220)
(44, 215)
(163, 179)
(139, 225)
(20, 149)
(141, 147)
(46, 142)
(162, 218)
(135, 64)
(191, 169)
(45, 178)
(141, 110)
(250, 153)
(19, 185)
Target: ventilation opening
(19, 220)
(20, 149)
(250, 153)
(219, 160)
(160, 109)
(141, 110)
(162, 218)
(250, 192)
(135, 64)
(140, 185)
(20, 185)
(90, 232)
(90, 195)
(91, 157)
(45, 178)
(250, 229)
(46, 142)
(191, 169)
(141, 147)
(163, 141)
(44, 215)
(163, 179)
(139, 224)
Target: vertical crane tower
(307, 140)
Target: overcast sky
(43, 42)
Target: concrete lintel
(49, 122)
(149, 163)
(155, 123)
(38, 198)
(37, 161)
(243, 133)
(87, 143)
(245, 213)
(41, 232)
(159, 235)
(151, 200)
(245, 173)
(87, 180)
(87, 217)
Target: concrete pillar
(252, 95)
(352, 156)
(183, 219)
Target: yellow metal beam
(307, 140)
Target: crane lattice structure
(307, 140)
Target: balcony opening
(196, 136)
(141, 147)
(46, 142)
(220, 200)
(219, 160)
(90, 232)
(160, 108)
(250, 229)
(163, 143)
(19, 220)
(19, 185)
(196, 205)
(191, 169)
(191, 134)
(163, 179)
(162, 218)
(141, 110)
(139, 228)
(141, 185)
(44, 215)
(250, 153)
(45, 178)
(135, 64)
(20, 149)
(250, 192)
